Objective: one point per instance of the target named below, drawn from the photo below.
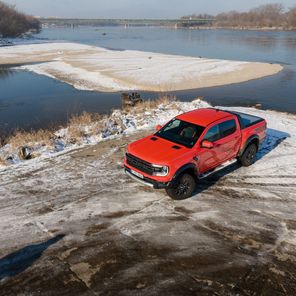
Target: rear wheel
(184, 187)
(249, 155)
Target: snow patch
(95, 68)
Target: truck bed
(246, 120)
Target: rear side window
(227, 128)
(213, 134)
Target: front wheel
(248, 157)
(184, 187)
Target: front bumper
(146, 181)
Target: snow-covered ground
(94, 68)
(73, 223)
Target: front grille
(139, 164)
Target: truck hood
(156, 150)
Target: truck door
(226, 137)
(230, 138)
(210, 158)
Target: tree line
(270, 15)
(14, 23)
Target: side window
(227, 128)
(213, 134)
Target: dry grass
(78, 123)
(2, 162)
(94, 122)
(21, 138)
(82, 119)
(76, 127)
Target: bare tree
(291, 17)
(270, 15)
(14, 23)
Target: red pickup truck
(193, 146)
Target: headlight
(159, 170)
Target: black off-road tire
(183, 188)
(249, 155)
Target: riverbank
(99, 69)
(243, 28)
(90, 129)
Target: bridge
(125, 22)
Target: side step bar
(218, 168)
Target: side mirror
(158, 127)
(206, 144)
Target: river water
(30, 101)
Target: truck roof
(204, 116)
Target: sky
(134, 8)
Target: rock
(132, 100)
(13, 159)
(72, 141)
(26, 152)
(5, 43)
(59, 145)
(258, 106)
(140, 286)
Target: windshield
(181, 132)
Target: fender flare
(252, 138)
(190, 166)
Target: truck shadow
(272, 140)
(22, 259)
